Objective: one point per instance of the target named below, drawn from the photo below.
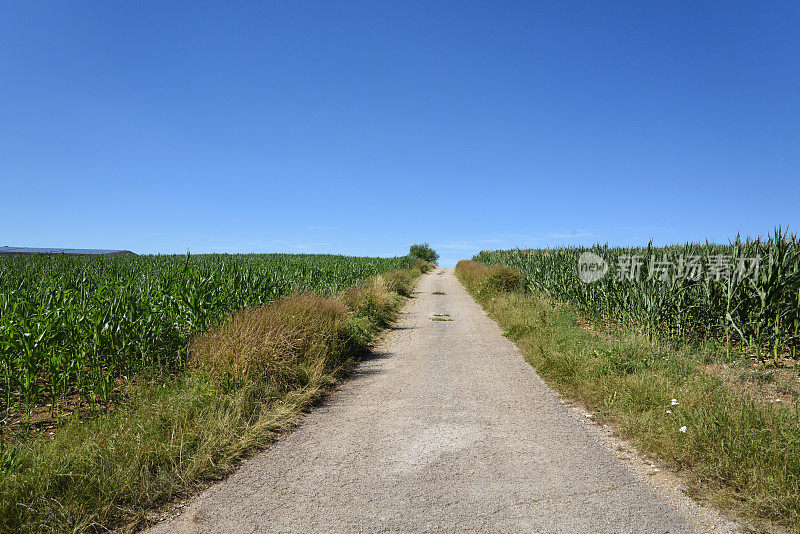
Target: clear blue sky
(361, 128)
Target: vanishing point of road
(444, 428)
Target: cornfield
(746, 293)
(72, 325)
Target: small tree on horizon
(424, 252)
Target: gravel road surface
(444, 428)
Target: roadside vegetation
(424, 252)
(736, 447)
(248, 346)
(74, 329)
(745, 295)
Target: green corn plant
(70, 325)
(761, 310)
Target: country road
(445, 428)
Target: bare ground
(445, 428)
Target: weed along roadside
(246, 381)
(734, 449)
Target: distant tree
(424, 252)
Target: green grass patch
(734, 450)
(438, 293)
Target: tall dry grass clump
(295, 341)
(399, 282)
(423, 266)
(373, 304)
(488, 278)
(289, 343)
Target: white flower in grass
(683, 429)
(669, 411)
(675, 402)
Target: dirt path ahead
(446, 428)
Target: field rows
(72, 325)
(746, 293)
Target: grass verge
(247, 381)
(735, 451)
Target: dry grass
(762, 382)
(399, 282)
(488, 279)
(423, 266)
(287, 344)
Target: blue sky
(362, 127)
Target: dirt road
(445, 428)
